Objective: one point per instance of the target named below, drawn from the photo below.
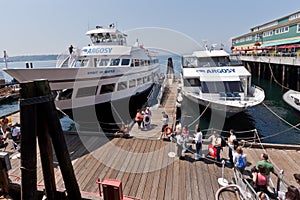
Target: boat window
(220, 86)
(125, 62)
(139, 81)
(145, 79)
(233, 86)
(149, 78)
(142, 62)
(86, 91)
(122, 86)
(65, 94)
(104, 62)
(107, 88)
(114, 62)
(208, 87)
(81, 63)
(192, 82)
(132, 83)
(95, 62)
(135, 62)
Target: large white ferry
(106, 71)
(210, 79)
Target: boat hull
(217, 108)
(108, 116)
(226, 108)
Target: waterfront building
(280, 37)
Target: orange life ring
(168, 130)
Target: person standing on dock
(186, 134)
(139, 118)
(297, 178)
(240, 159)
(231, 139)
(266, 164)
(179, 144)
(198, 140)
(165, 121)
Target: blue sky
(49, 27)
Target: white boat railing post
(222, 181)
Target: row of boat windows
(106, 88)
(115, 62)
(204, 62)
(214, 87)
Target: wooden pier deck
(146, 167)
(168, 105)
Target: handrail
(234, 186)
(62, 59)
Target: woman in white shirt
(198, 140)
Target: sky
(35, 27)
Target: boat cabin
(229, 81)
(107, 36)
(215, 58)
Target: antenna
(5, 56)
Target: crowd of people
(9, 132)
(237, 158)
(143, 118)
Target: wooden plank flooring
(146, 170)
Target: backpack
(223, 142)
(241, 164)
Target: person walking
(266, 164)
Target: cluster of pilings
(286, 75)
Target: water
(258, 117)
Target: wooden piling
(28, 141)
(39, 118)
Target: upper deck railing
(278, 58)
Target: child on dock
(165, 121)
(139, 118)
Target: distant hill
(30, 58)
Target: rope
(272, 75)
(282, 118)
(36, 100)
(199, 116)
(222, 131)
(266, 151)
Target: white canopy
(227, 73)
(207, 53)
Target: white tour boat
(106, 71)
(292, 98)
(210, 79)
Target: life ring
(146, 120)
(168, 130)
